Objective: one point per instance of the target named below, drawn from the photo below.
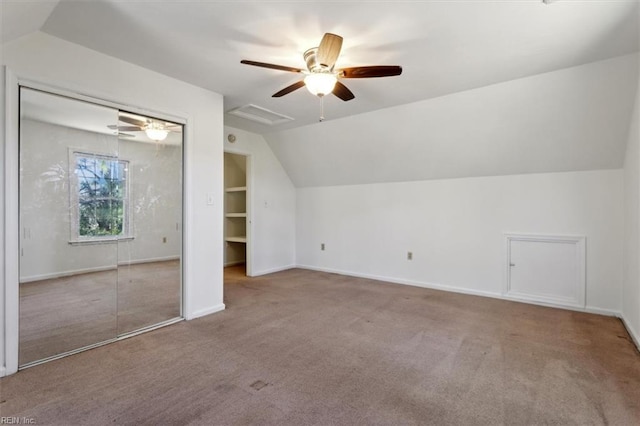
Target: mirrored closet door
(100, 224)
(149, 284)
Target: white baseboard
(151, 260)
(462, 290)
(543, 300)
(273, 270)
(601, 311)
(66, 274)
(54, 275)
(423, 284)
(206, 311)
(3, 371)
(561, 305)
(632, 332)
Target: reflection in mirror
(67, 286)
(149, 285)
(101, 224)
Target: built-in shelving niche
(235, 209)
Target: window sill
(88, 242)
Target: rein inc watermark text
(17, 421)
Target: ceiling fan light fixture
(320, 83)
(321, 75)
(156, 131)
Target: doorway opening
(237, 212)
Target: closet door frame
(12, 84)
(11, 301)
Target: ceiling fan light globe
(156, 134)
(156, 131)
(320, 84)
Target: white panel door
(546, 269)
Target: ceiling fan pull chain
(321, 108)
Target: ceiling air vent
(259, 114)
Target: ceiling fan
(154, 129)
(321, 77)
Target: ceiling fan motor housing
(311, 58)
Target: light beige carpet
(303, 348)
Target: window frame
(74, 200)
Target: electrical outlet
(409, 255)
(322, 246)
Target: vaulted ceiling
(456, 55)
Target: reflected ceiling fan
(321, 77)
(154, 129)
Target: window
(99, 196)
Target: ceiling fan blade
(341, 91)
(329, 50)
(270, 66)
(131, 120)
(289, 89)
(127, 128)
(371, 71)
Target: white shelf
(236, 189)
(236, 215)
(236, 239)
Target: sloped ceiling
(568, 120)
(444, 46)
(489, 87)
(19, 18)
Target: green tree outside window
(102, 195)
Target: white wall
(631, 285)
(52, 61)
(272, 204)
(455, 228)
(155, 176)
